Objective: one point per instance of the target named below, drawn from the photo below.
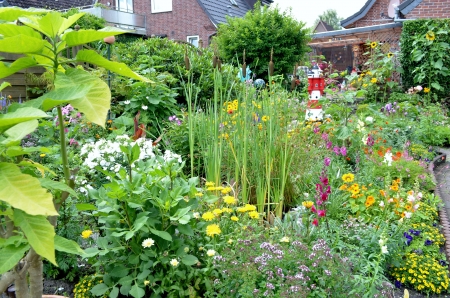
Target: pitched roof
(404, 8)
(359, 15)
(217, 10)
(49, 4)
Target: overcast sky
(309, 10)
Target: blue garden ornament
(247, 74)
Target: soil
(59, 287)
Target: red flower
(230, 112)
(315, 222)
(321, 213)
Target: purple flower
(398, 284)
(325, 136)
(316, 130)
(337, 150)
(428, 242)
(329, 144)
(408, 237)
(343, 151)
(327, 161)
(415, 232)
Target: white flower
(149, 242)
(364, 140)
(408, 214)
(360, 125)
(369, 119)
(419, 195)
(382, 240)
(411, 198)
(416, 206)
(382, 204)
(127, 102)
(384, 249)
(306, 194)
(144, 107)
(211, 252)
(388, 158)
(146, 282)
(174, 262)
(196, 215)
(285, 239)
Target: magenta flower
(337, 150)
(327, 161)
(321, 213)
(343, 151)
(315, 222)
(329, 145)
(325, 136)
(316, 130)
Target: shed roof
(49, 4)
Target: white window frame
(191, 37)
(161, 6)
(129, 6)
(233, 2)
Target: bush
(257, 33)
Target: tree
(330, 17)
(257, 33)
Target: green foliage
(87, 21)
(424, 59)
(257, 33)
(163, 61)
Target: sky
(309, 10)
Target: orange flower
(369, 201)
(383, 193)
(397, 155)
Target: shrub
(257, 33)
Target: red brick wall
(380, 6)
(187, 18)
(430, 9)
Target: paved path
(442, 174)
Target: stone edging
(443, 216)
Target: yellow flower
(229, 200)
(285, 239)
(234, 218)
(226, 190)
(250, 207)
(146, 282)
(86, 234)
(212, 230)
(369, 201)
(42, 155)
(199, 194)
(348, 177)
(253, 214)
(426, 89)
(209, 183)
(227, 210)
(208, 216)
(390, 55)
(260, 127)
(373, 80)
(264, 118)
(307, 204)
(217, 212)
(430, 36)
(373, 45)
(365, 85)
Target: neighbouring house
(323, 26)
(377, 20)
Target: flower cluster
(83, 287)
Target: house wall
(380, 6)
(187, 18)
(431, 9)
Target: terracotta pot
(53, 296)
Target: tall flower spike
(271, 64)
(244, 66)
(187, 63)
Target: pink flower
(315, 222)
(343, 151)
(329, 145)
(313, 209)
(321, 213)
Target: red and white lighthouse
(316, 85)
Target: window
(233, 2)
(161, 5)
(124, 5)
(193, 40)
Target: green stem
(62, 137)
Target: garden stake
(186, 60)
(244, 66)
(271, 64)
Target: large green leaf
(10, 256)
(20, 115)
(21, 63)
(24, 192)
(70, 21)
(122, 69)
(4, 85)
(164, 235)
(39, 232)
(21, 44)
(49, 24)
(136, 291)
(57, 185)
(9, 30)
(19, 131)
(11, 14)
(67, 246)
(80, 37)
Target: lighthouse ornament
(316, 85)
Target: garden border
(443, 216)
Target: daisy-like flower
(234, 218)
(348, 177)
(127, 102)
(430, 36)
(209, 183)
(373, 80)
(196, 215)
(253, 214)
(426, 89)
(373, 44)
(149, 242)
(146, 282)
(174, 262)
(208, 216)
(384, 249)
(390, 55)
(212, 230)
(307, 204)
(144, 107)
(264, 118)
(229, 200)
(86, 234)
(211, 252)
(369, 201)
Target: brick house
(184, 20)
(377, 20)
